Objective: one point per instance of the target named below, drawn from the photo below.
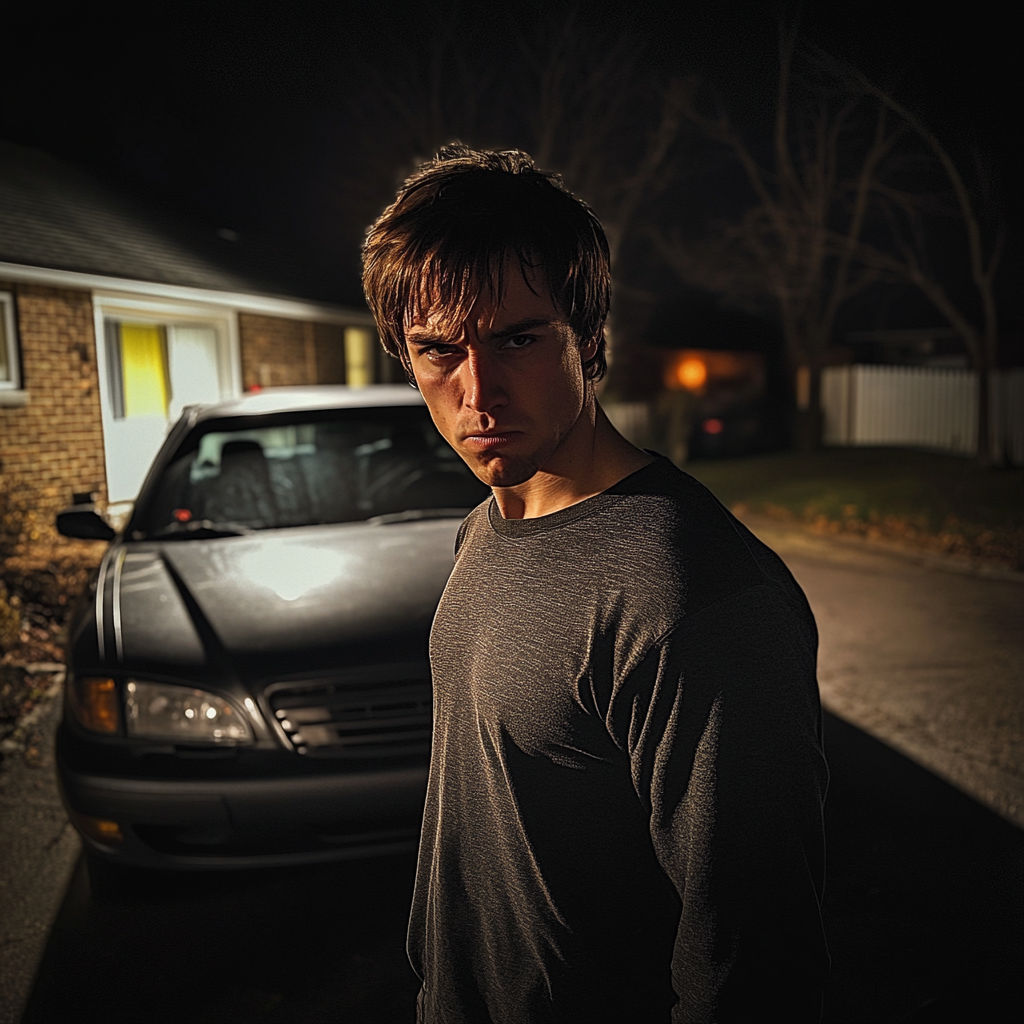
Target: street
(925, 891)
(929, 660)
(925, 887)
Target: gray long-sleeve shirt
(624, 814)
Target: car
(247, 675)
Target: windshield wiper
(411, 514)
(199, 529)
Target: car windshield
(335, 467)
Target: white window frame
(162, 313)
(13, 383)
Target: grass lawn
(933, 501)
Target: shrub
(39, 570)
(10, 621)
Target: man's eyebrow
(424, 337)
(523, 325)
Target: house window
(155, 359)
(9, 377)
(137, 364)
(156, 369)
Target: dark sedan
(248, 679)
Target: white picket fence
(921, 407)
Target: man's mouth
(487, 440)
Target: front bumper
(249, 822)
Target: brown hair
(460, 221)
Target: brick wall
(277, 352)
(330, 353)
(273, 351)
(53, 446)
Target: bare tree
(797, 246)
(845, 202)
(604, 124)
(906, 255)
(581, 101)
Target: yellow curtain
(359, 353)
(144, 364)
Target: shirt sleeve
(721, 721)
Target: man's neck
(593, 457)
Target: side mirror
(83, 523)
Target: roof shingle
(55, 216)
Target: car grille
(355, 718)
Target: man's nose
(483, 387)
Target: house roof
(54, 216)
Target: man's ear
(588, 349)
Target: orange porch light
(692, 373)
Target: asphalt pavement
(925, 894)
(38, 850)
(923, 652)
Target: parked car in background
(248, 681)
(729, 410)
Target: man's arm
(723, 727)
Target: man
(624, 814)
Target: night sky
(240, 116)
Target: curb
(16, 741)
(800, 539)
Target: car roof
(315, 396)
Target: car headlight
(162, 711)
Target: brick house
(110, 324)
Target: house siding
(330, 353)
(277, 352)
(53, 446)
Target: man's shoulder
(719, 555)
(662, 503)
(662, 480)
(658, 535)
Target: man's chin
(503, 471)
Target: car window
(321, 468)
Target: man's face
(506, 386)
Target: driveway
(924, 653)
(924, 896)
(38, 847)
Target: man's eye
(518, 341)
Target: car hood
(278, 601)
